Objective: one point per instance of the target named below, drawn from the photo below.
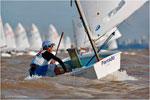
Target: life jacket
(38, 60)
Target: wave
(119, 76)
(34, 77)
(129, 53)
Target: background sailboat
(2, 36)
(34, 39)
(53, 36)
(3, 44)
(10, 37)
(21, 38)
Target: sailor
(39, 64)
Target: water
(131, 82)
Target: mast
(85, 24)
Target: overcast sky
(59, 13)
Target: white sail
(67, 42)
(10, 37)
(2, 36)
(34, 38)
(79, 33)
(82, 39)
(21, 38)
(53, 35)
(49, 36)
(102, 15)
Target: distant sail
(52, 35)
(10, 37)
(34, 38)
(49, 36)
(67, 42)
(2, 36)
(21, 38)
(102, 15)
(79, 32)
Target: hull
(100, 69)
(105, 66)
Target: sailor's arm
(60, 62)
(47, 55)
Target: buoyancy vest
(39, 60)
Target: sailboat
(102, 63)
(2, 36)
(99, 63)
(53, 36)
(35, 40)
(10, 37)
(3, 44)
(92, 65)
(22, 44)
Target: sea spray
(34, 77)
(119, 76)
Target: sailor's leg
(39, 70)
(31, 71)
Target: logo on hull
(108, 60)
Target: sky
(41, 13)
(59, 13)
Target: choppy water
(132, 83)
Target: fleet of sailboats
(19, 42)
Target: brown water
(132, 83)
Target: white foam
(133, 53)
(34, 77)
(19, 54)
(129, 53)
(6, 55)
(120, 76)
(32, 53)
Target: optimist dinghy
(103, 62)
